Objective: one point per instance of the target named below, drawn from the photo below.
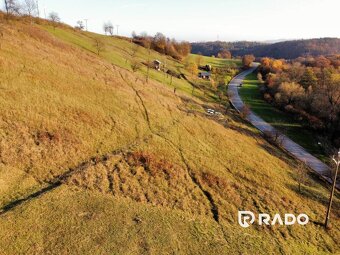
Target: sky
(209, 20)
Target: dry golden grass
(143, 171)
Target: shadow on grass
(37, 194)
(243, 131)
(272, 150)
(309, 190)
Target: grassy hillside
(94, 160)
(121, 52)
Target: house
(204, 75)
(157, 64)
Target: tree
(98, 45)
(134, 52)
(108, 28)
(224, 54)
(135, 65)
(245, 111)
(322, 62)
(12, 7)
(247, 60)
(147, 44)
(192, 68)
(159, 42)
(309, 78)
(330, 85)
(290, 91)
(54, 17)
(80, 25)
(31, 7)
(301, 175)
(277, 65)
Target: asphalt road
(296, 150)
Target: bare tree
(30, 7)
(108, 28)
(80, 25)
(147, 43)
(301, 175)
(245, 111)
(133, 53)
(274, 137)
(135, 65)
(98, 45)
(12, 7)
(54, 17)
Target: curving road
(296, 150)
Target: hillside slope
(94, 160)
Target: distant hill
(213, 48)
(286, 49)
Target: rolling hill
(286, 49)
(95, 160)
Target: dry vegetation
(132, 168)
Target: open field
(217, 62)
(120, 166)
(251, 95)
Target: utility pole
(148, 68)
(38, 11)
(117, 26)
(337, 163)
(86, 23)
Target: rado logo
(247, 218)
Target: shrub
(268, 97)
(245, 111)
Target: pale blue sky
(198, 20)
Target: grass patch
(284, 122)
(216, 62)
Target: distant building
(204, 75)
(157, 64)
(207, 68)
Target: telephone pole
(337, 163)
(38, 11)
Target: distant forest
(285, 50)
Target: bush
(274, 137)
(245, 111)
(268, 97)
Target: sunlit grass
(63, 108)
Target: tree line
(287, 49)
(24, 7)
(308, 88)
(27, 8)
(214, 48)
(163, 45)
